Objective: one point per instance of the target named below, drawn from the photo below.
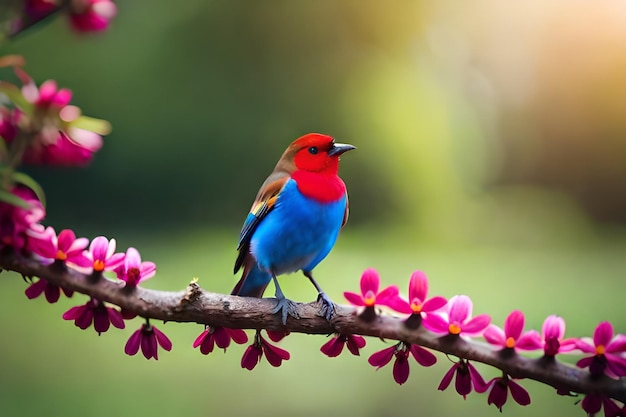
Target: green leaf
(11, 198)
(29, 182)
(15, 95)
(99, 126)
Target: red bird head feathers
(312, 152)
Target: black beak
(339, 148)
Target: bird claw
(328, 307)
(286, 307)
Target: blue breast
(298, 233)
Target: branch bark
(197, 305)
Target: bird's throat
(323, 188)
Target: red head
(315, 152)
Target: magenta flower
(65, 137)
(513, 337)
(552, 333)
(148, 338)
(334, 346)
(401, 364)
(92, 15)
(96, 312)
(132, 271)
(607, 352)
(500, 388)
(592, 403)
(102, 255)
(253, 354)
(64, 248)
(370, 296)
(15, 221)
(467, 377)
(220, 336)
(52, 292)
(456, 319)
(418, 303)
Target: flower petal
(519, 394)
(514, 324)
(494, 335)
(460, 308)
(370, 281)
(476, 325)
(382, 357)
(422, 356)
(603, 334)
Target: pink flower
(401, 364)
(467, 377)
(62, 138)
(15, 221)
(418, 291)
(97, 312)
(133, 271)
(370, 296)
(64, 248)
(92, 15)
(500, 388)
(148, 338)
(552, 333)
(102, 255)
(52, 292)
(512, 337)
(456, 319)
(220, 336)
(334, 346)
(253, 354)
(607, 352)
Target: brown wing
(263, 204)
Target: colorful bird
(294, 221)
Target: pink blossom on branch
(133, 270)
(51, 292)
(371, 296)
(253, 354)
(467, 378)
(96, 312)
(334, 346)
(64, 248)
(220, 337)
(401, 352)
(552, 335)
(513, 335)
(456, 319)
(15, 221)
(102, 255)
(418, 292)
(148, 338)
(501, 386)
(607, 352)
(64, 136)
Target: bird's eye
(313, 150)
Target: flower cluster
(84, 15)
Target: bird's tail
(253, 281)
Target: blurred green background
(491, 155)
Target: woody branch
(197, 305)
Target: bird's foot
(328, 307)
(286, 307)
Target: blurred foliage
(490, 141)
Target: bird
(294, 221)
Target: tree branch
(197, 305)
